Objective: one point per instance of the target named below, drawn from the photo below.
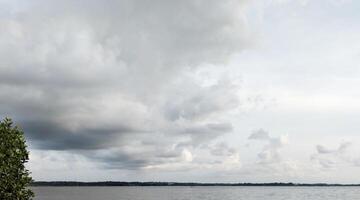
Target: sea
(197, 193)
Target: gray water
(196, 193)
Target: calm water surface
(196, 193)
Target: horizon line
(171, 183)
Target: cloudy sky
(192, 90)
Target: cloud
(270, 152)
(331, 158)
(222, 149)
(342, 148)
(269, 164)
(199, 104)
(109, 80)
(259, 135)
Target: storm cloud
(103, 79)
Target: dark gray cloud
(109, 77)
(50, 135)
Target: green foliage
(14, 177)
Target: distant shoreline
(116, 183)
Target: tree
(14, 177)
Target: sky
(192, 90)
